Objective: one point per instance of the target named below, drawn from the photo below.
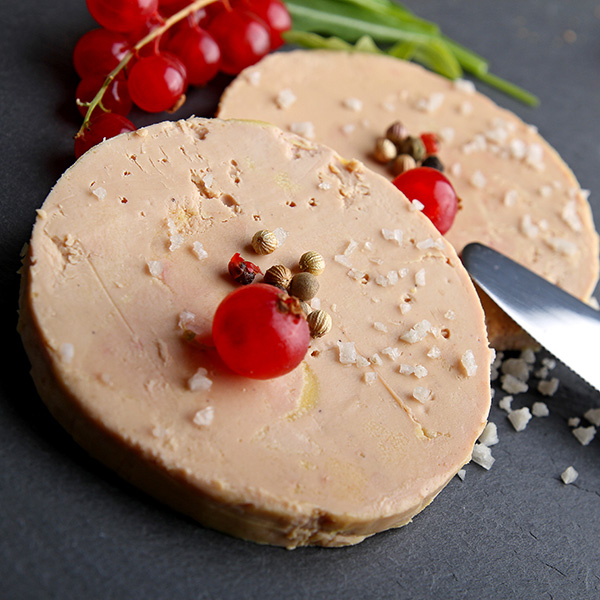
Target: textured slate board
(71, 529)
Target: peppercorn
(319, 323)
(385, 150)
(396, 133)
(414, 146)
(434, 162)
(304, 286)
(264, 241)
(403, 163)
(278, 275)
(312, 262)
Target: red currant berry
(274, 14)
(432, 189)
(122, 15)
(430, 140)
(157, 82)
(199, 52)
(102, 127)
(98, 52)
(115, 99)
(260, 332)
(243, 38)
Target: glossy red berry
(242, 271)
(98, 52)
(199, 52)
(260, 332)
(274, 14)
(157, 82)
(115, 99)
(243, 38)
(432, 188)
(104, 126)
(122, 15)
(430, 141)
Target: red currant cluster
(147, 53)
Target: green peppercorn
(304, 286)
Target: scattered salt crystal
(431, 103)
(468, 363)
(199, 381)
(505, 403)
(361, 361)
(395, 235)
(199, 251)
(519, 418)
(489, 436)
(461, 474)
(281, 235)
(353, 104)
(562, 246)
(391, 352)
(370, 377)
(324, 185)
(456, 169)
(416, 205)
(512, 385)
(528, 227)
(540, 409)
(185, 318)
(253, 77)
(510, 197)
(418, 332)
(350, 248)
(593, 416)
(569, 475)
(584, 434)
(478, 180)
(204, 417)
(425, 244)
(380, 326)
(356, 274)
(304, 128)
(466, 108)
(517, 148)
(573, 421)
(420, 278)
(99, 192)
(405, 369)
(155, 267)
(528, 355)
(420, 371)
(447, 134)
(405, 307)
(376, 359)
(66, 352)
(343, 260)
(464, 85)
(450, 315)
(548, 387)
(315, 303)
(517, 367)
(422, 394)
(403, 272)
(435, 352)
(482, 455)
(285, 98)
(550, 363)
(347, 353)
(175, 238)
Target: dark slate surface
(70, 529)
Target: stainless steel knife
(567, 327)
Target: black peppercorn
(434, 162)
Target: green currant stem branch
(153, 35)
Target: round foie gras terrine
(130, 253)
(516, 194)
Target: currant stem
(153, 35)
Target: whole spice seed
(396, 133)
(414, 146)
(385, 150)
(278, 275)
(304, 286)
(319, 323)
(312, 262)
(242, 271)
(434, 162)
(264, 241)
(403, 163)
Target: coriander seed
(278, 275)
(312, 262)
(319, 323)
(304, 286)
(264, 241)
(403, 163)
(384, 151)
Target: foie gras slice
(129, 254)
(517, 195)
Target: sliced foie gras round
(129, 255)
(517, 195)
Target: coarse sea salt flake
(204, 417)
(303, 128)
(482, 455)
(199, 381)
(285, 98)
(593, 416)
(186, 317)
(435, 352)
(512, 385)
(573, 421)
(517, 367)
(462, 474)
(416, 205)
(370, 377)
(468, 363)
(489, 436)
(347, 353)
(464, 85)
(569, 475)
(540, 409)
(420, 278)
(376, 359)
(354, 104)
(519, 418)
(155, 268)
(281, 235)
(478, 180)
(584, 435)
(548, 387)
(422, 394)
(99, 192)
(418, 332)
(66, 352)
(394, 235)
(405, 307)
(391, 352)
(343, 260)
(505, 404)
(199, 251)
(380, 326)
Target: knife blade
(564, 325)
